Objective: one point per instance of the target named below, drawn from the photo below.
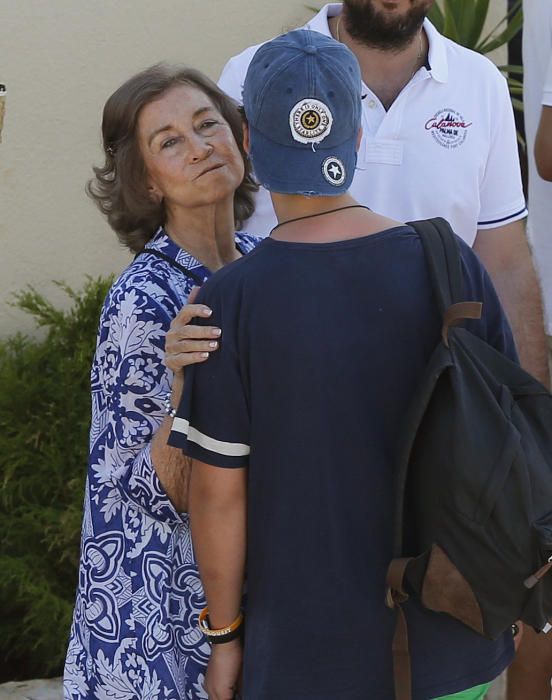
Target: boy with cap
(308, 429)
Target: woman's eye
(208, 123)
(168, 143)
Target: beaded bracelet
(223, 635)
(170, 410)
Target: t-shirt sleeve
(212, 420)
(501, 191)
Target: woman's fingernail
(204, 355)
(207, 311)
(216, 331)
(213, 345)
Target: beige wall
(60, 59)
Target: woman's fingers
(187, 344)
(190, 345)
(177, 332)
(190, 311)
(190, 340)
(179, 360)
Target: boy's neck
(296, 208)
(324, 219)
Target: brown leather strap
(401, 658)
(532, 581)
(396, 595)
(395, 577)
(459, 312)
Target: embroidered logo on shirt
(310, 121)
(333, 171)
(448, 127)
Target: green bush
(44, 424)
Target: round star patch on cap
(333, 171)
(310, 121)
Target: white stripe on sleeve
(229, 449)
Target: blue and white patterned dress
(134, 632)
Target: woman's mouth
(210, 169)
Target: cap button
(311, 50)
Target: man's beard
(371, 28)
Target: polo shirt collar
(437, 54)
(319, 23)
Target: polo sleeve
(232, 78)
(501, 192)
(547, 87)
(212, 420)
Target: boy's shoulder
(229, 280)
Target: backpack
(473, 535)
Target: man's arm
(531, 670)
(543, 144)
(505, 252)
(217, 503)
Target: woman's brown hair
(120, 187)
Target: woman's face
(189, 150)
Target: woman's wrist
(176, 389)
(221, 635)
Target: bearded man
(438, 138)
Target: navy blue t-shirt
(322, 348)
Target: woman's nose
(199, 150)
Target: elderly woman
(174, 187)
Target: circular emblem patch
(333, 171)
(310, 121)
(448, 127)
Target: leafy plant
(44, 424)
(463, 22)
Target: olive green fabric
(477, 693)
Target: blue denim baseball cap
(302, 99)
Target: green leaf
(437, 18)
(450, 29)
(511, 68)
(457, 10)
(478, 16)
(512, 20)
(522, 142)
(504, 37)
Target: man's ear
(359, 139)
(246, 145)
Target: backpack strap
(395, 597)
(443, 260)
(445, 271)
(444, 266)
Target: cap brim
(300, 169)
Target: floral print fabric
(134, 632)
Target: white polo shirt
(446, 147)
(537, 91)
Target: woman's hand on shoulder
(187, 344)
